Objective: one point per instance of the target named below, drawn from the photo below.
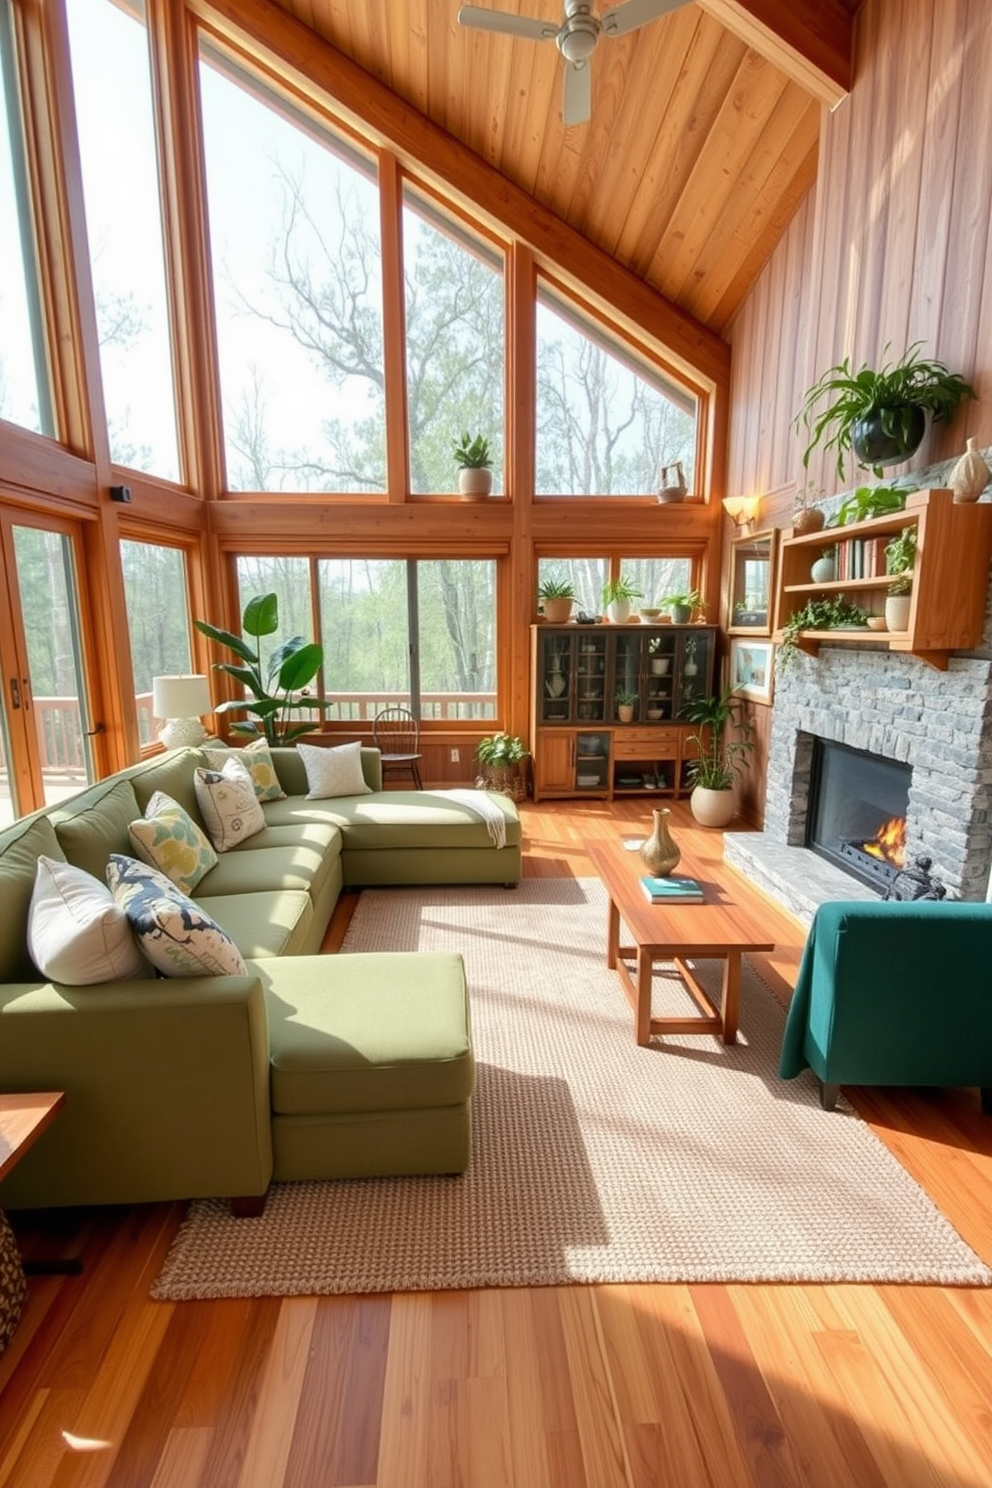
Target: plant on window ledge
(278, 687)
(818, 614)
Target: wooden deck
(582, 1387)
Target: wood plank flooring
(582, 1387)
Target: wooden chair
(396, 735)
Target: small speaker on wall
(120, 493)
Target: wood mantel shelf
(949, 582)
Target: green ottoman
(371, 1064)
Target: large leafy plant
(277, 684)
(722, 755)
(818, 614)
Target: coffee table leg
(731, 996)
(642, 1016)
(612, 935)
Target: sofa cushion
(175, 933)
(302, 866)
(267, 924)
(376, 1031)
(20, 847)
(230, 809)
(95, 825)
(333, 772)
(168, 839)
(170, 773)
(258, 759)
(77, 932)
(400, 819)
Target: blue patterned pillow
(175, 934)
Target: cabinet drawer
(640, 739)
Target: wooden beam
(811, 41)
(296, 56)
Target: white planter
(474, 484)
(897, 611)
(660, 665)
(619, 611)
(712, 808)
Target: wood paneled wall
(891, 246)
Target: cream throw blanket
(484, 807)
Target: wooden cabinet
(950, 578)
(579, 744)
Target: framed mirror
(752, 583)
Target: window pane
(112, 87)
(657, 578)
(289, 580)
(605, 425)
(456, 607)
(24, 395)
(157, 620)
(294, 232)
(454, 346)
(586, 575)
(366, 634)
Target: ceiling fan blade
(635, 13)
(576, 103)
(511, 25)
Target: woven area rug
(593, 1160)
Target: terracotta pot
(625, 712)
(713, 808)
(558, 611)
(660, 854)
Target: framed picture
(752, 583)
(751, 666)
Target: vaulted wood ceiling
(704, 130)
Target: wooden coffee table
(719, 929)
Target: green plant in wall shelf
(900, 559)
(278, 684)
(870, 501)
(818, 614)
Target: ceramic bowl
(877, 622)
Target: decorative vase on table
(660, 854)
(824, 570)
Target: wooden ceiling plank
(811, 41)
(526, 118)
(749, 102)
(612, 67)
(767, 174)
(288, 49)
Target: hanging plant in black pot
(879, 416)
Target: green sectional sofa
(306, 1067)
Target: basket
(506, 780)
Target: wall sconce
(180, 702)
(742, 510)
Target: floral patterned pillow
(257, 758)
(168, 838)
(175, 934)
(228, 804)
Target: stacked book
(672, 890)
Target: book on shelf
(671, 890)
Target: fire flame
(889, 842)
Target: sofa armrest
(167, 1086)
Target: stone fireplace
(897, 707)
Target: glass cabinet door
(591, 677)
(592, 761)
(660, 658)
(556, 676)
(695, 664)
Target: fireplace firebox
(857, 812)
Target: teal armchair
(894, 994)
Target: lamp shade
(741, 510)
(180, 697)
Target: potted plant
(683, 606)
(626, 702)
(502, 758)
(879, 415)
(900, 559)
(280, 687)
(868, 502)
(618, 595)
(556, 596)
(475, 466)
(720, 757)
(818, 614)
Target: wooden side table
(23, 1118)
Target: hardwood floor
(582, 1387)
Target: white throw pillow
(228, 804)
(334, 772)
(177, 936)
(168, 838)
(77, 932)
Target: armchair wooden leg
(828, 1096)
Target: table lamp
(180, 702)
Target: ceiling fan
(576, 38)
